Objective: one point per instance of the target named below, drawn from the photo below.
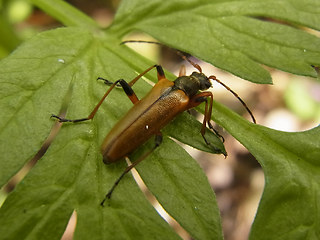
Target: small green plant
(231, 35)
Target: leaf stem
(65, 13)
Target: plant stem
(65, 13)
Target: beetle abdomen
(142, 122)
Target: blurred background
(290, 104)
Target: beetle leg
(106, 81)
(195, 101)
(182, 71)
(158, 140)
(207, 112)
(160, 74)
(207, 117)
(91, 115)
(127, 89)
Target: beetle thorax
(193, 83)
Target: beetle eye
(204, 83)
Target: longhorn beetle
(150, 114)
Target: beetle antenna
(181, 54)
(184, 57)
(236, 95)
(141, 41)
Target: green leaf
(65, 13)
(9, 39)
(231, 34)
(171, 185)
(37, 79)
(188, 132)
(71, 175)
(289, 205)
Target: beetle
(154, 111)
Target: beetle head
(203, 80)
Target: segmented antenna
(184, 57)
(236, 95)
